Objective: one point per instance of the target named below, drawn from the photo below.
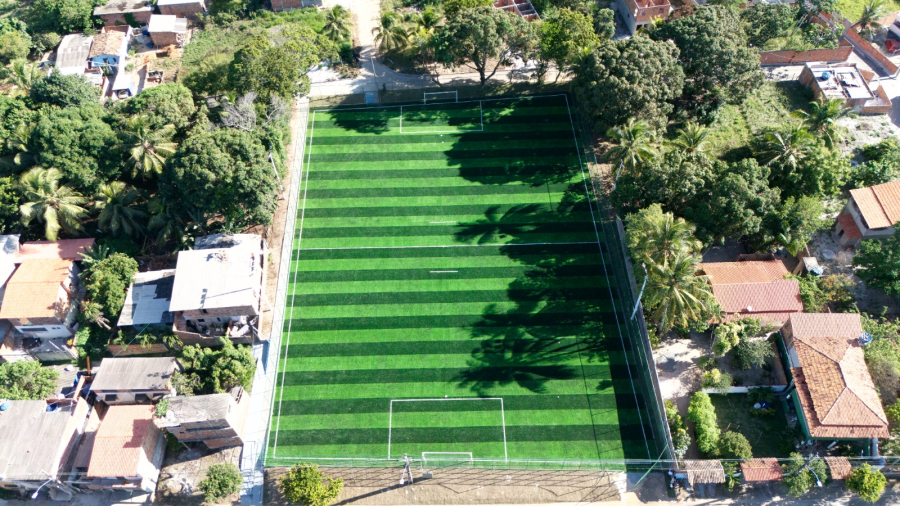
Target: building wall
(130, 396)
(163, 39)
(187, 10)
(119, 18)
(287, 5)
(866, 232)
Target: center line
(438, 272)
(442, 222)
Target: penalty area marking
(502, 418)
(457, 131)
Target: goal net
(440, 96)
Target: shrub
(161, 408)
(725, 337)
(797, 476)
(222, 480)
(680, 437)
(27, 380)
(107, 280)
(733, 445)
(753, 353)
(306, 484)
(703, 414)
(868, 483)
(718, 380)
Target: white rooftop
(841, 81)
(164, 23)
(217, 278)
(72, 54)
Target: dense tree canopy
(64, 91)
(878, 263)
(64, 16)
(218, 370)
(565, 37)
(166, 104)
(718, 64)
(225, 173)
(27, 380)
(738, 202)
(633, 78)
(485, 37)
(107, 280)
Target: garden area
(766, 430)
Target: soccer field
(449, 294)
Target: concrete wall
(287, 5)
(119, 19)
(839, 54)
(870, 50)
(188, 10)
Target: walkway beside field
(266, 353)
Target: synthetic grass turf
(369, 320)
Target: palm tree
(118, 213)
(56, 206)
(149, 148)
(691, 139)
(822, 118)
(26, 152)
(389, 34)
(873, 11)
(337, 22)
(166, 222)
(675, 294)
(655, 237)
(427, 21)
(633, 144)
(22, 74)
(786, 149)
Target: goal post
(440, 96)
(447, 456)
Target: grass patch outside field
(766, 434)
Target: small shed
(123, 86)
(134, 379)
(72, 54)
(704, 472)
(757, 470)
(167, 30)
(839, 467)
(217, 420)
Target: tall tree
(633, 78)
(165, 104)
(822, 118)
(390, 34)
(654, 237)
(691, 139)
(794, 223)
(869, 20)
(737, 204)
(633, 145)
(718, 63)
(266, 69)
(225, 173)
(566, 36)
(675, 294)
(63, 91)
(337, 22)
(119, 213)
(147, 147)
(454, 7)
(428, 21)
(27, 380)
(486, 38)
(878, 263)
(785, 149)
(63, 16)
(57, 206)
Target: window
(33, 329)
(141, 398)
(201, 320)
(111, 398)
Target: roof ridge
(820, 352)
(847, 386)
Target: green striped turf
(524, 315)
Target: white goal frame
(439, 399)
(426, 95)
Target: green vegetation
(681, 440)
(878, 263)
(868, 483)
(221, 481)
(733, 445)
(703, 414)
(216, 370)
(305, 484)
(800, 474)
(27, 380)
(765, 430)
(106, 282)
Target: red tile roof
(771, 302)
(755, 271)
(879, 204)
(33, 291)
(125, 435)
(68, 249)
(836, 393)
(839, 467)
(848, 225)
(761, 470)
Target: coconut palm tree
(337, 22)
(118, 213)
(390, 34)
(26, 152)
(675, 294)
(149, 148)
(633, 144)
(57, 206)
(869, 20)
(166, 222)
(787, 148)
(691, 139)
(822, 118)
(22, 74)
(428, 21)
(655, 236)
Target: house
(36, 441)
(217, 420)
(167, 30)
(127, 450)
(72, 54)
(41, 299)
(754, 288)
(640, 13)
(289, 5)
(134, 379)
(831, 388)
(846, 82)
(870, 213)
(521, 8)
(183, 8)
(110, 49)
(147, 301)
(123, 86)
(218, 288)
(123, 12)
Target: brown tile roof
(836, 393)
(68, 249)
(771, 301)
(125, 434)
(33, 290)
(107, 43)
(848, 225)
(774, 318)
(839, 467)
(761, 470)
(756, 271)
(704, 471)
(879, 204)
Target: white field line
(454, 222)
(287, 344)
(502, 417)
(497, 99)
(480, 115)
(454, 246)
(446, 453)
(608, 284)
(442, 272)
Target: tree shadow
(370, 121)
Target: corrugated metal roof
(197, 408)
(134, 373)
(31, 440)
(217, 278)
(72, 54)
(147, 299)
